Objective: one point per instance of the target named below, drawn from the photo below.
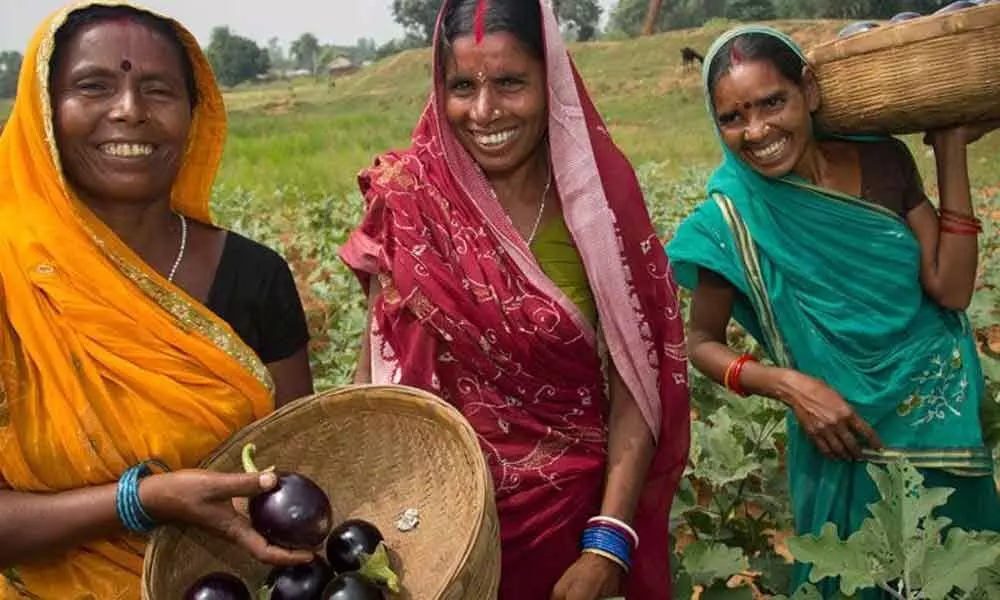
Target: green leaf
(955, 564)
(719, 591)
(989, 581)
(700, 521)
(683, 587)
(775, 572)
(708, 562)
(904, 507)
(832, 557)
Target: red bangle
(956, 229)
(733, 372)
(960, 221)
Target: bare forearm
(712, 358)
(40, 525)
(957, 255)
(630, 452)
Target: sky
(332, 21)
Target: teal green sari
(830, 285)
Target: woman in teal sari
(827, 251)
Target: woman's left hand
(961, 135)
(591, 577)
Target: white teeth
(495, 139)
(127, 150)
(770, 151)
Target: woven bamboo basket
(376, 451)
(930, 72)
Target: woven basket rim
(458, 424)
(906, 33)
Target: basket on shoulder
(913, 73)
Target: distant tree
(751, 10)
(234, 58)
(398, 45)
(365, 49)
(10, 68)
(627, 16)
(417, 17)
(584, 15)
(305, 51)
(276, 54)
(652, 17)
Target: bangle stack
(127, 502)
(959, 224)
(732, 378)
(612, 539)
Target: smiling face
(122, 112)
(495, 99)
(765, 118)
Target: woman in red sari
(512, 268)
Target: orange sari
(103, 363)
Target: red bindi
(126, 65)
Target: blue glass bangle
(128, 505)
(608, 541)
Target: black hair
(756, 46)
(521, 18)
(78, 19)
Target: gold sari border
(751, 267)
(963, 462)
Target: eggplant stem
(248, 464)
(375, 567)
(264, 592)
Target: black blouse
(255, 293)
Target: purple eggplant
(905, 16)
(349, 542)
(295, 514)
(298, 582)
(960, 5)
(351, 586)
(358, 546)
(856, 27)
(218, 586)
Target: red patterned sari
(466, 312)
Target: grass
(318, 137)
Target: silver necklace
(180, 252)
(541, 209)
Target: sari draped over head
(465, 311)
(830, 285)
(103, 362)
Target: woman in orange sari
(131, 329)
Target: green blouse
(558, 257)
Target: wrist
(777, 385)
(152, 496)
(610, 539)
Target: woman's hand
(825, 416)
(591, 577)
(207, 500)
(959, 136)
